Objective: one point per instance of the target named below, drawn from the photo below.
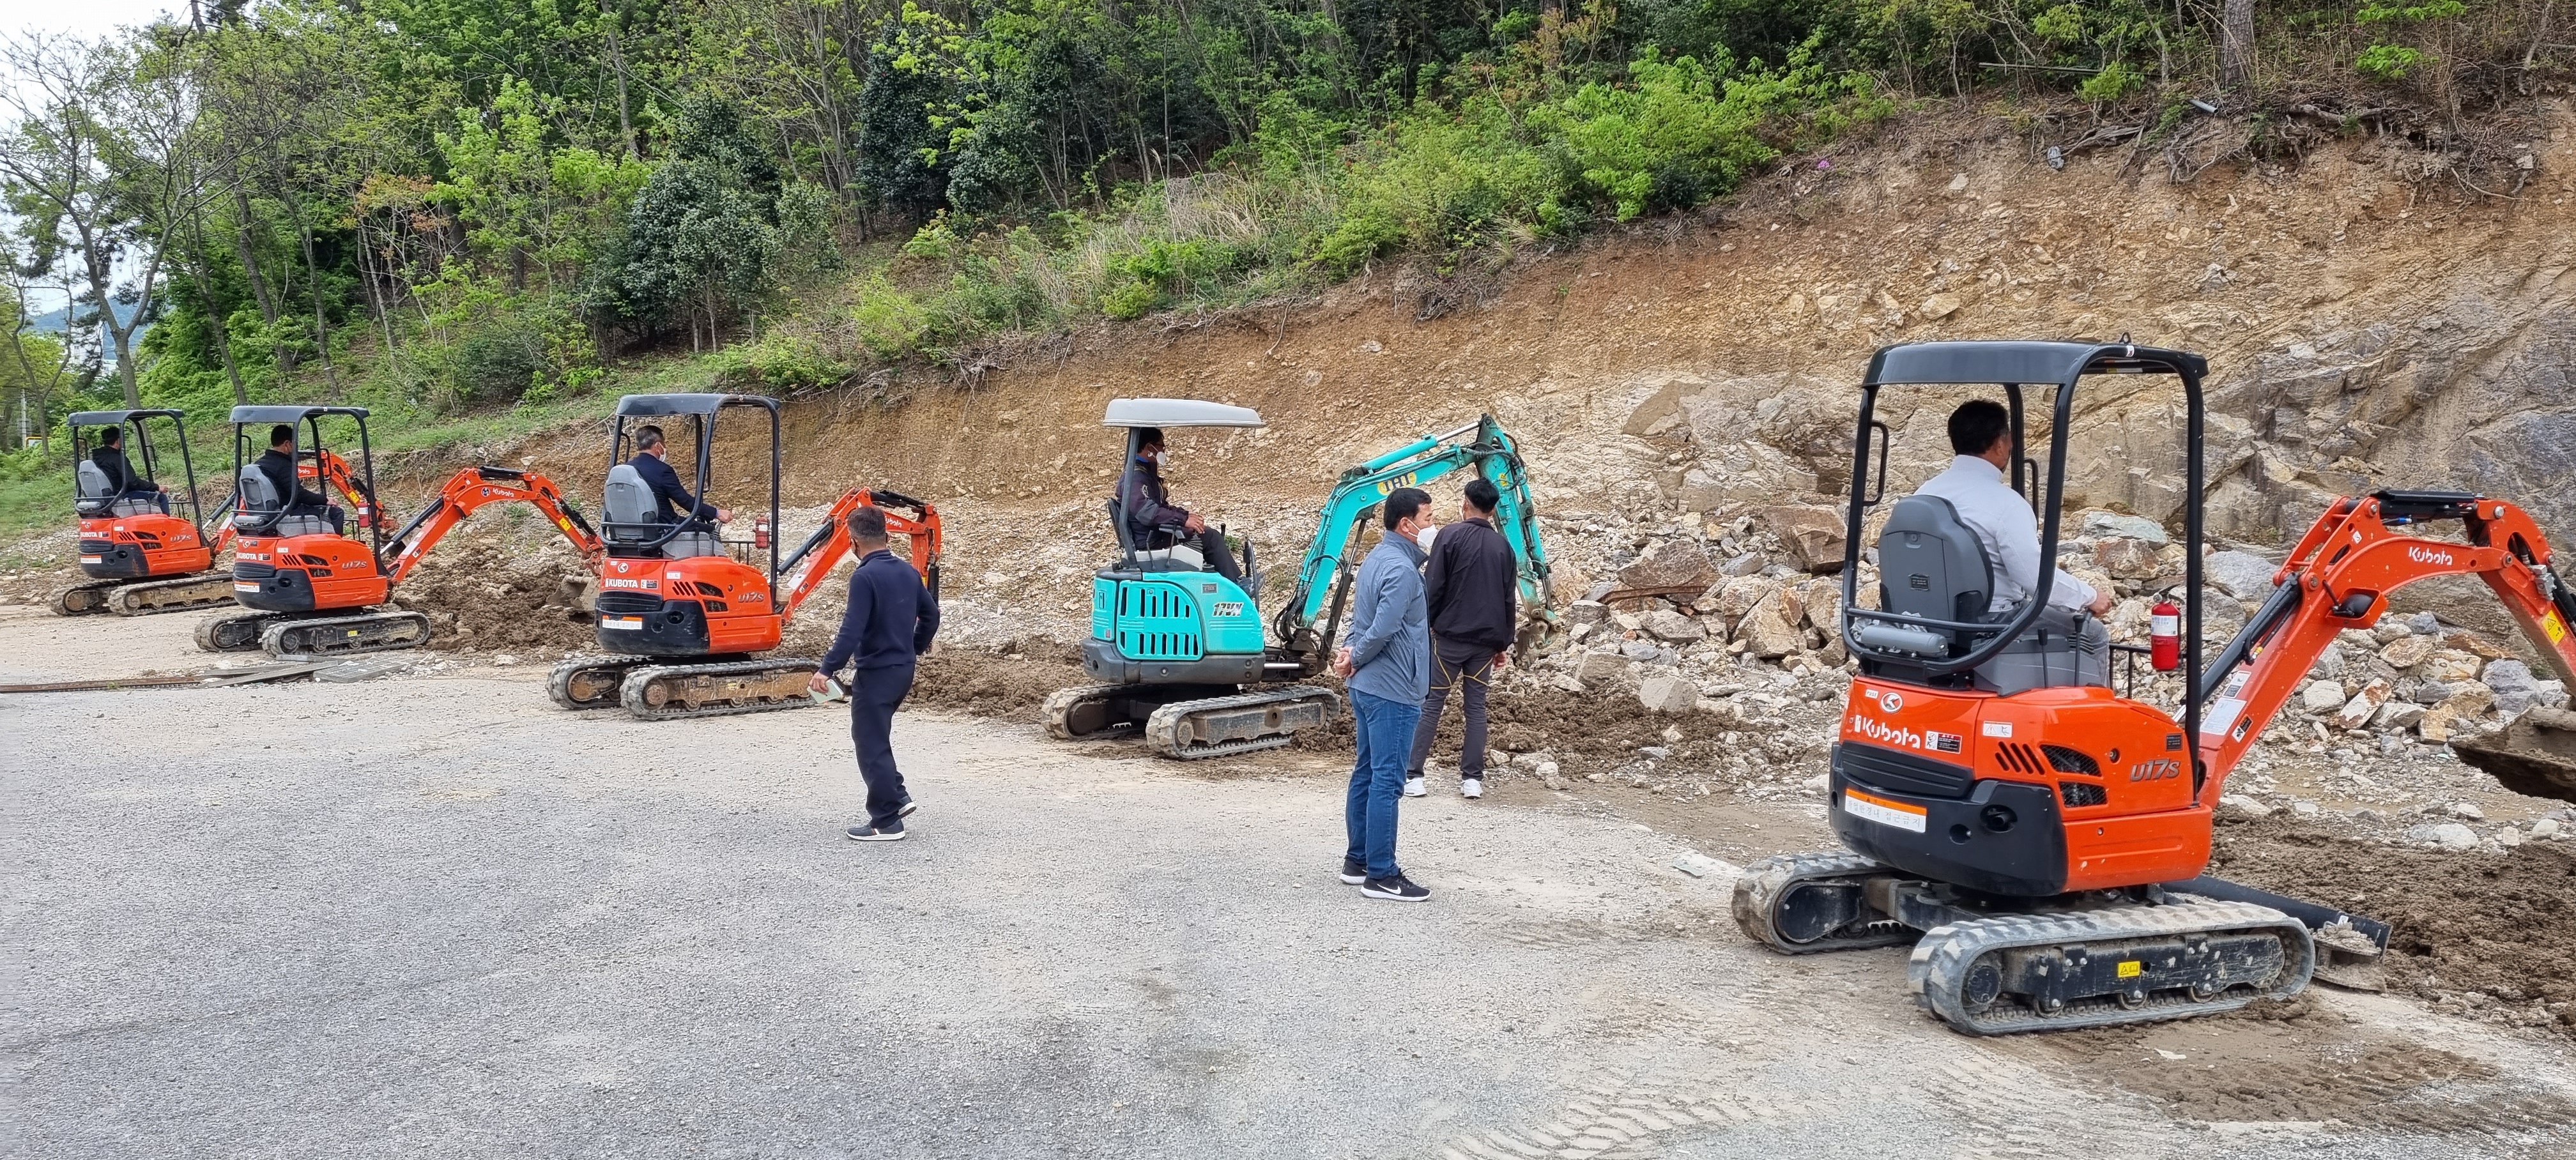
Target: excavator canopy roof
(289, 412)
(695, 404)
(2023, 362)
(118, 418)
(1178, 413)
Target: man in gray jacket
(1387, 667)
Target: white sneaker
(1413, 787)
(1471, 787)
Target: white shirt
(2003, 520)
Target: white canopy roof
(1177, 413)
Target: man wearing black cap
(889, 622)
(1153, 524)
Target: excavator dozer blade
(2536, 755)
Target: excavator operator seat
(628, 507)
(634, 521)
(260, 501)
(94, 495)
(1932, 564)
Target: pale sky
(86, 17)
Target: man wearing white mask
(1154, 524)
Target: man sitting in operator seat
(1153, 524)
(127, 482)
(1981, 435)
(672, 498)
(278, 464)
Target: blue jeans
(1385, 731)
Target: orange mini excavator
(312, 589)
(138, 555)
(681, 610)
(2035, 834)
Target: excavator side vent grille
(2065, 760)
(2083, 793)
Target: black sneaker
(892, 833)
(1354, 871)
(907, 808)
(1396, 889)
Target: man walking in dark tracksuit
(1472, 588)
(889, 622)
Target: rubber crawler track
(1162, 729)
(1937, 972)
(638, 681)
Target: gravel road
(434, 916)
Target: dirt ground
(2496, 928)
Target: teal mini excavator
(1178, 650)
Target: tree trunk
(617, 63)
(2236, 44)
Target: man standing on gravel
(1471, 587)
(888, 623)
(1387, 665)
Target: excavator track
(1088, 712)
(343, 635)
(239, 632)
(2536, 755)
(171, 595)
(82, 599)
(667, 692)
(2101, 968)
(1242, 723)
(591, 682)
(1768, 885)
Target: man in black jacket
(278, 464)
(665, 484)
(889, 622)
(1473, 588)
(122, 479)
(1154, 524)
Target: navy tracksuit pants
(874, 694)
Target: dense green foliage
(444, 206)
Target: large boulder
(1674, 563)
(2406, 652)
(1666, 624)
(1668, 694)
(2123, 526)
(2127, 559)
(2516, 689)
(1595, 668)
(1813, 535)
(2242, 574)
(1767, 633)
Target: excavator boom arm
(2340, 576)
(812, 561)
(1324, 573)
(474, 488)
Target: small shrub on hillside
(780, 361)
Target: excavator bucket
(2536, 755)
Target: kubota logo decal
(1890, 700)
(1886, 734)
(2428, 556)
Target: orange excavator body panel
(315, 573)
(142, 547)
(700, 605)
(2109, 775)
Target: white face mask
(1424, 536)
(1161, 459)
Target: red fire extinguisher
(2164, 635)
(760, 532)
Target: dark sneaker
(1396, 889)
(892, 833)
(1354, 871)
